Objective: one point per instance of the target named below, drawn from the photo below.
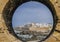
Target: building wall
(6, 36)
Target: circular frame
(11, 7)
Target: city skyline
(31, 31)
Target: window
(32, 21)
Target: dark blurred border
(11, 6)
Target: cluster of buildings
(31, 29)
(35, 27)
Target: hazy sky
(31, 12)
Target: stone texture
(5, 35)
(2, 4)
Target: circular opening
(32, 21)
(11, 7)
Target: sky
(30, 12)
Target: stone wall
(7, 8)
